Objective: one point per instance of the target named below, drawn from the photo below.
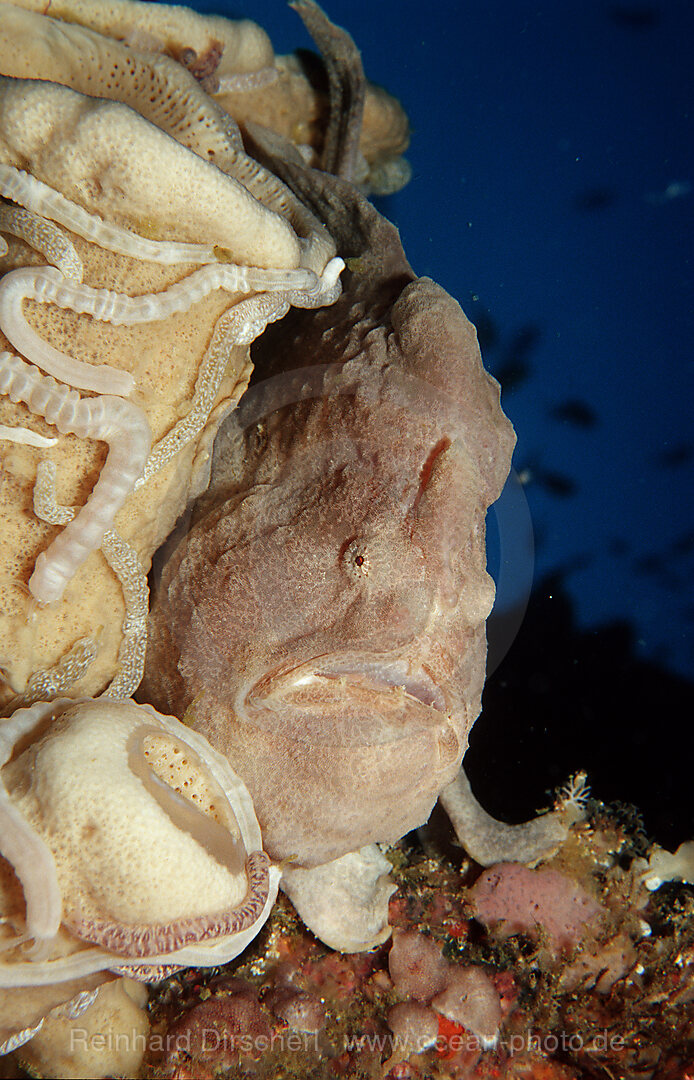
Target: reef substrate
(616, 1004)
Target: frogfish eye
(355, 560)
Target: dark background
(553, 195)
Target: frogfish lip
(387, 675)
(348, 700)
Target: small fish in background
(652, 564)
(555, 483)
(511, 375)
(513, 366)
(618, 547)
(657, 569)
(572, 566)
(634, 16)
(681, 547)
(675, 456)
(595, 198)
(663, 565)
(684, 545)
(522, 344)
(576, 412)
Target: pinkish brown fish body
(323, 619)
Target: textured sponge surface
(119, 854)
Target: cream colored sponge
(151, 837)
